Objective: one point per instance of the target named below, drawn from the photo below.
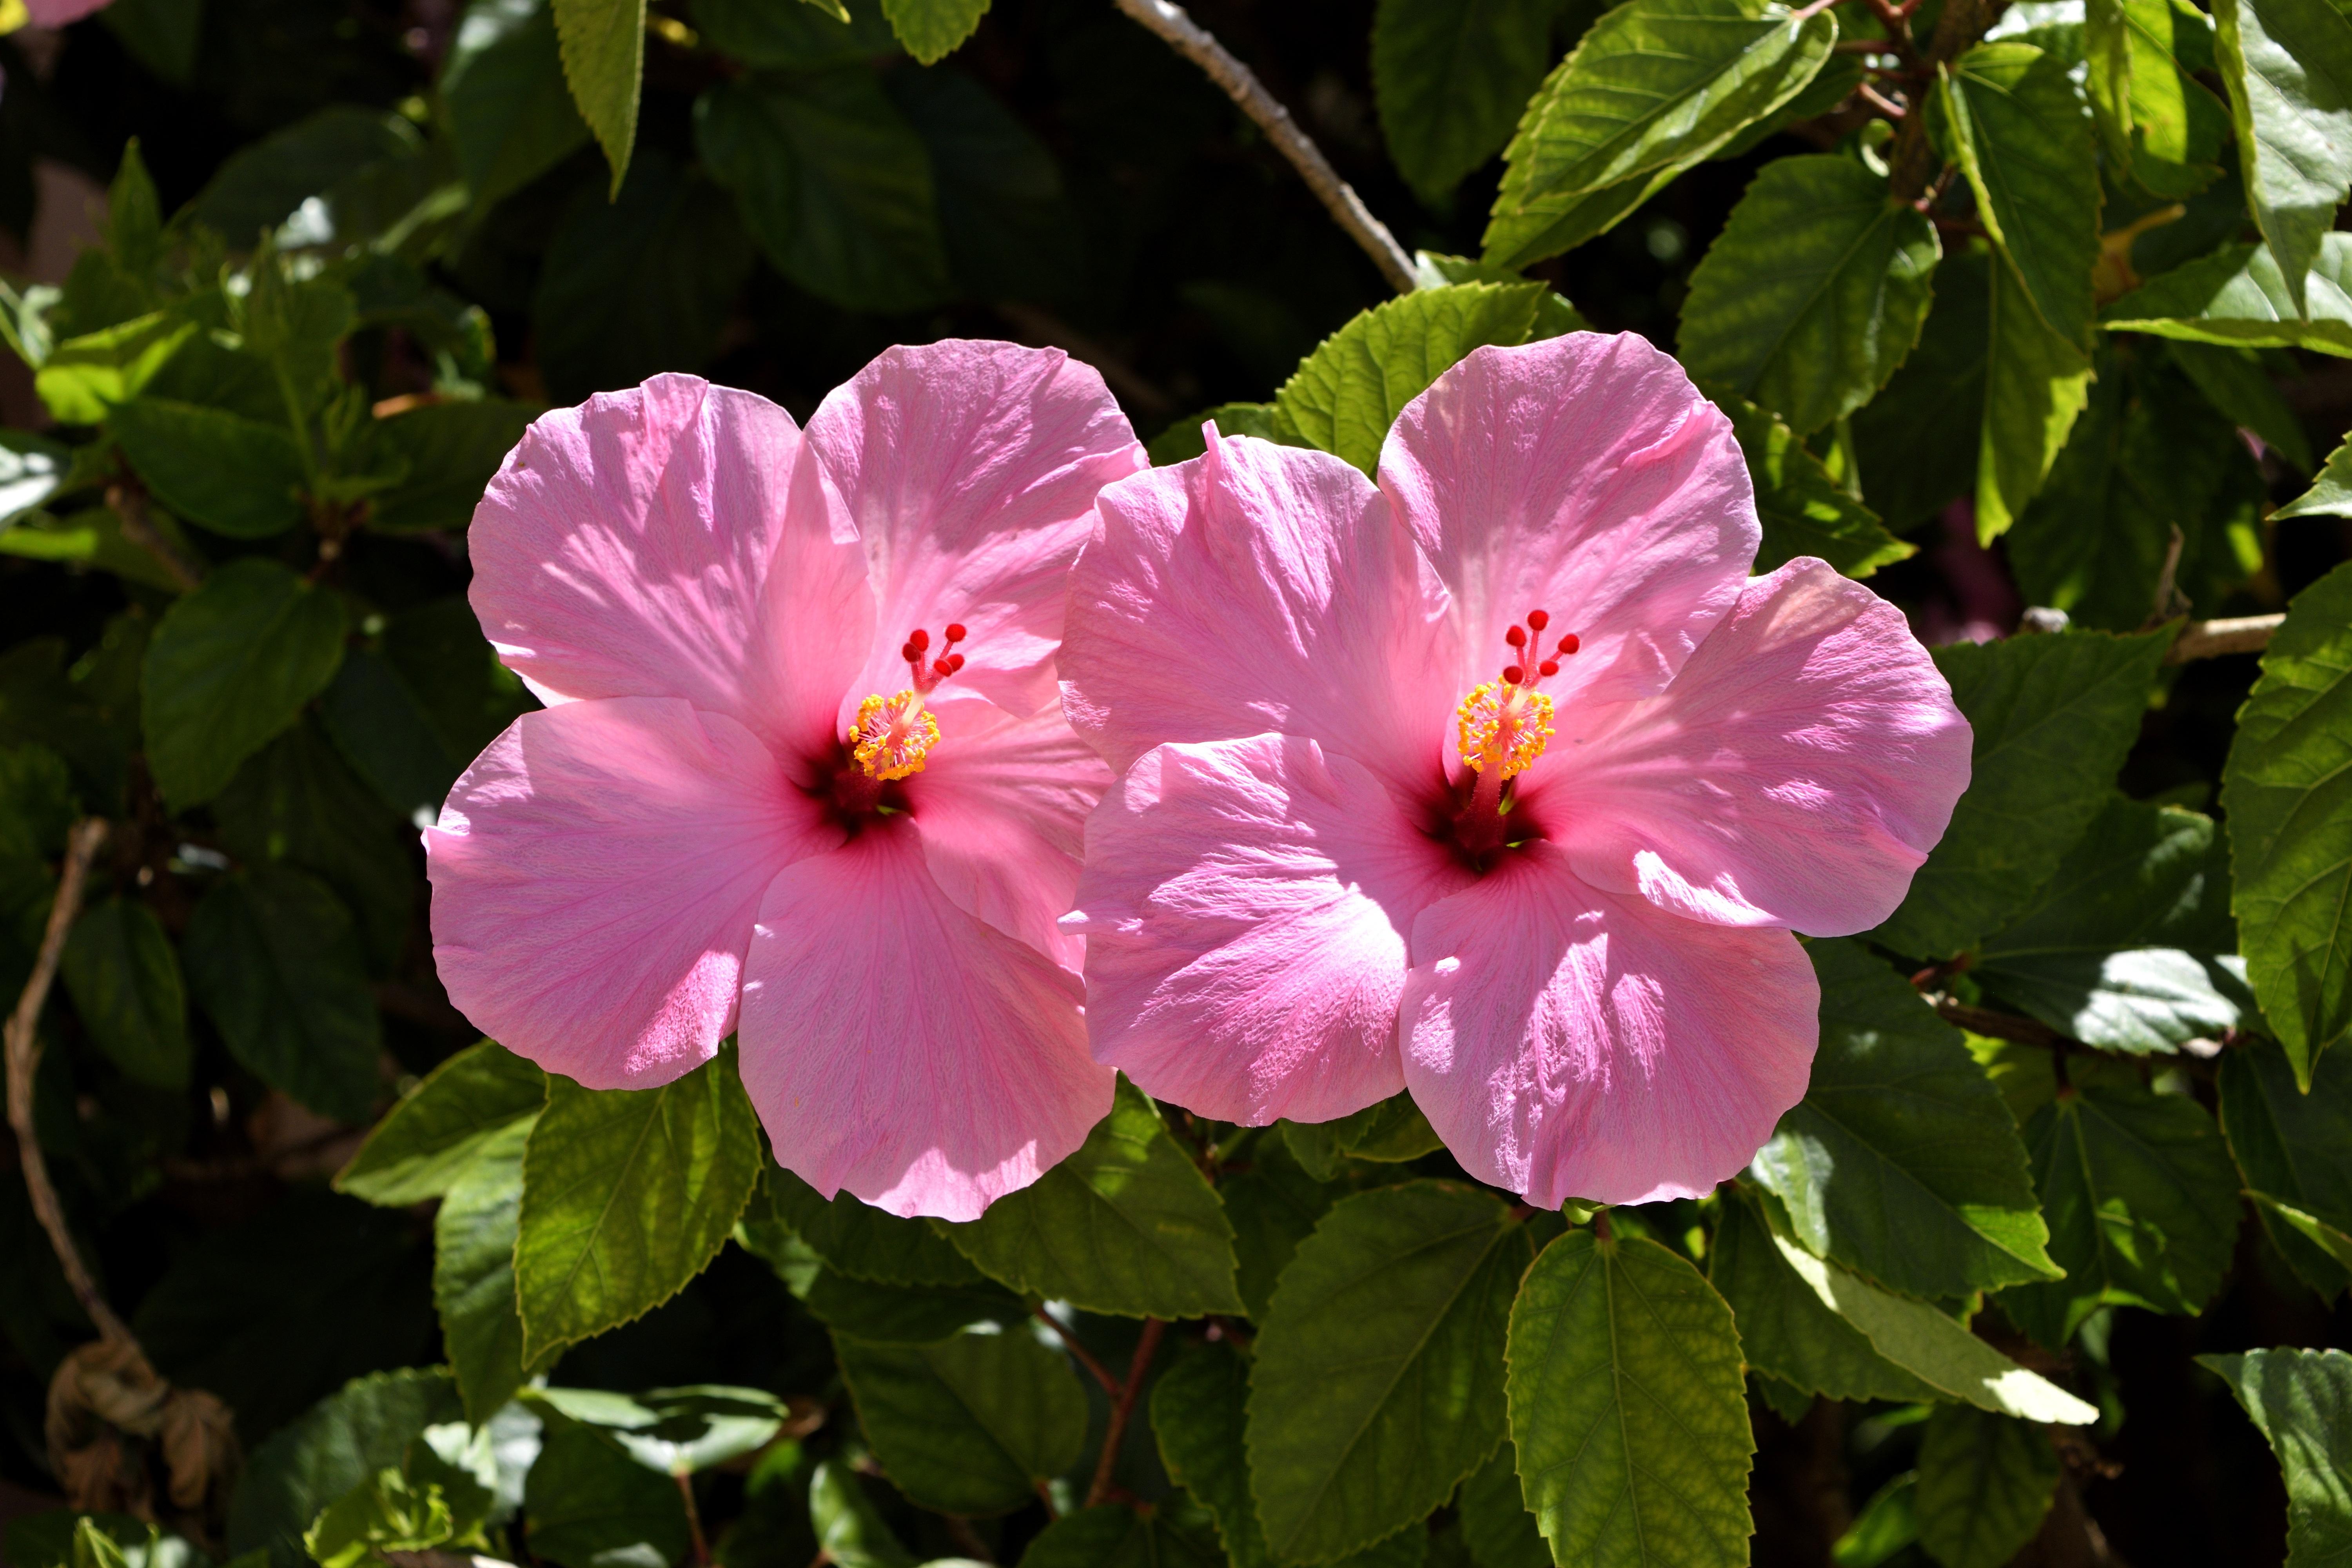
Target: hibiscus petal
(1244, 905)
(1001, 810)
(1584, 476)
(969, 470)
(1569, 1044)
(899, 1047)
(625, 550)
(595, 874)
(1259, 588)
(1796, 773)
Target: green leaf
(2294, 1148)
(1389, 1133)
(2142, 1202)
(425, 1144)
(852, 1533)
(1654, 87)
(1379, 1374)
(337, 1445)
(1496, 1528)
(2287, 791)
(93, 536)
(2130, 946)
(1901, 1161)
(227, 472)
(627, 1194)
(274, 959)
(972, 1424)
(2287, 66)
(1010, 228)
(2053, 717)
(2177, 126)
(473, 1272)
(2301, 1401)
(85, 378)
(1199, 1416)
(1920, 439)
(602, 43)
(833, 183)
(1985, 1481)
(2036, 381)
(1126, 1225)
(862, 1241)
(452, 450)
(1183, 440)
(2333, 1247)
(161, 35)
(1887, 1524)
(675, 1431)
(906, 1315)
(592, 1506)
(932, 28)
(1273, 1206)
(1169, 1534)
(36, 803)
(1450, 78)
(1346, 395)
(2235, 383)
(1785, 1329)
(2238, 295)
(2330, 495)
(510, 116)
(380, 725)
(262, 184)
(2021, 131)
(229, 667)
(2107, 54)
(769, 37)
(1813, 293)
(1628, 1407)
(124, 978)
(1804, 510)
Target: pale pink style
(1295, 904)
(682, 844)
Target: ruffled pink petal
(968, 470)
(1000, 807)
(1584, 476)
(595, 874)
(1567, 1043)
(627, 549)
(1245, 905)
(1796, 773)
(1259, 588)
(900, 1048)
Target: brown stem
(2208, 639)
(693, 1521)
(24, 1059)
(1916, 163)
(1122, 1407)
(1999, 1026)
(1086, 1357)
(128, 502)
(1196, 43)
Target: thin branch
(2000, 1026)
(693, 1522)
(128, 502)
(1196, 43)
(1086, 1357)
(2169, 601)
(1915, 162)
(2210, 639)
(24, 1059)
(1122, 1407)
(1879, 101)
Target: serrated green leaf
(1273, 1206)
(2238, 295)
(1126, 1225)
(1804, 510)
(2301, 1402)
(1653, 87)
(1497, 1530)
(2036, 381)
(862, 1241)
(627, 1194)
(2142, 1202)
(972, 1424)
(602, 43)
(338, 1443)
(2287, 790)
(1785, 1329)
(1379, 1374)
(2287, 66)
(931, 29)
(1450, 78)
(511, 117)
(2330, 494)
(473, 1272)
(1985, 1481)
(2053, 717)
(1387, 1132)
(229, 667)
(424, 1144)
(1628, 1407)
(233, 475)
(592, 1506)
(1813, 294)
(2020, 129)
(1183, 441)
(124, 977)
(1346, 395)
(2294, 1148)
(84, 378)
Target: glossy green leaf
(2330, 494)
(592, 1506)
(972, 1424)
(1785, 1328)
(274, 959)
(124, 977)
(1804, 510)
(1628, 1407)
(931, 29)
(2287, 790)
(1653, 87)
(862, 1241)
(424, 1144)
(473, 1272)
(2301, 1402)
(85, 378)
(1813, 294)
(2036, 381)
(2294, 1148)
(627, 1194)
(2142, 1202)
(451, 451)
(2238, 296)
(1985, 1481)
(1379, 1374)
(336, 1446)
(1450, 78)
(2287, 66)
(2053, 717)
(510, 115)
(229, 473)
(1125, 1224)
(1901, 1161)
(2177, 126)
(2018, 125)
(603, 51)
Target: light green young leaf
(2287, 66)
(852, 1533)
(604, 50)
(1785, 1329)
(124, 977)
(1813, 294)
(2330, 494)
(2238, 296)
(1628, 1408)
(1652, 88)
(2036, 381)
(972, 1424)
(2301, 1401)
(931, 29)
(1985, 1481)
(2287, 791)
(86, 377)
(2294, 1149)
(1804, 510)
(1450, 78)
(1126, 1225)
(424, 1144)
(473, 1272)
(234, 475)
(1379, 1376)
(338, 1443)
(627, 1194)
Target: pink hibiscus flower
(1501, 782)
(802, 777)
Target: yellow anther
(893, 735)
(1504, 723)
